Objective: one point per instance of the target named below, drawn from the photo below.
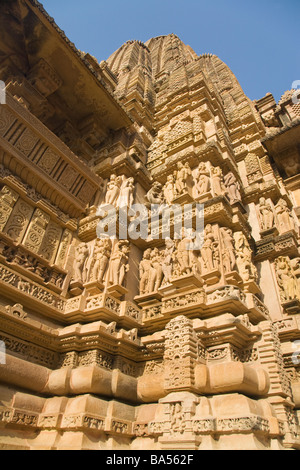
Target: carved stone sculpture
(217, 181)
(266, 214)
(155, 194)
(182, 175)
(283, 216)
(286, 279)
(113, 190)
(126, 193)
(244, 263)
(168, 260)
(228, 251)
(232, 188)
(102, 252)
(202, 184)
(119, 263)
(169, 190)
(147, 273)
(80, 262)
(184, 254)
(208, 249)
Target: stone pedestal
(117, 291)
(94, 287)
(76, 288)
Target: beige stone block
(124, 386)
(151, 388)
(91, 379)
(235, 376)
(24, 374)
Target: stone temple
(141, 343)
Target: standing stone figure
(113, 190)
(232, 187)
(157, 265)
(217, 181)
(202, 179)
(80, 263)
(285, 279)
(283, 215)
(168, 260)
(244, 263)
(181, 178)
(169, 190)
(102, 252)
(228, 251)
(119, 263)
(266, 214)
(147, 273)
(207, 250)
(185, 255)
(126, 193)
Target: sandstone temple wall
(144, 343)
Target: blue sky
(257, 39)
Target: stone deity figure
(283, 215)
(185, 255)
(228, 251)
(217, 181)
(244, 263)
(182, 175)
(119, 263)
(80, 263)
(207, 250)
(157, 265)
(285, 279)
(266, 214)
(232, 187)
(126, 193)
(102, 252)
(168, 260)
(169, 190)
(147, 273)
(202, 179)
(113, 190)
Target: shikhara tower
(142, 344)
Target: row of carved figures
(205, 179)
(278, 215)
(184, 257)
(93, 264)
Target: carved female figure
(119, 263)
(169, 190)
(228, 252)
(126, 194)
(168, 259)
(202, 179)
(266, 214)
(285, 279)
(232, 187)
(102, 253)
(80, 262)
(217, 181)
(113, 190)
(207, 250)
(147, 273)
(283, 215)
